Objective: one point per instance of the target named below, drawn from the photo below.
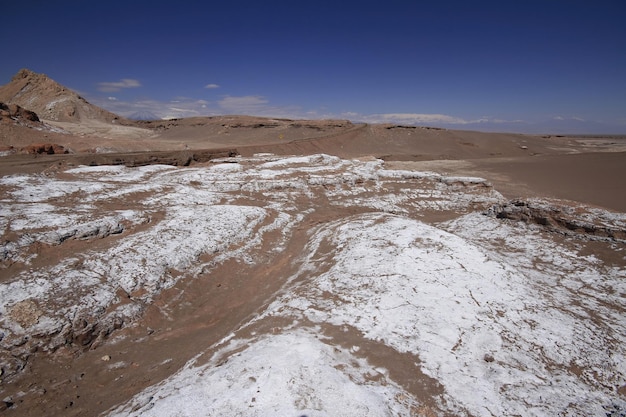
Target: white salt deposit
(420, 289)
(291, 374)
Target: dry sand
(592, 178)
(586, 169)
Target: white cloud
(484, 123)
(110, 87)
(569, 118)
(490, 120)
(212, 86)
(415, 118)
(243, 104)
(180, 107)
(254, 105)
(260, 106)
(177, 108)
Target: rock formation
(13, 111)
(50, 100)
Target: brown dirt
(594, 178)
(585, 169)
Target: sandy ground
(592, 178)
(216, 293)
(585, 169)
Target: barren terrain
(237, 265)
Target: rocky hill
(50, 100)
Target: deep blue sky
(495, 65)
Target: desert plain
(238, 265)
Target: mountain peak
(26, 73)
(50, 100)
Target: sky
(545, 66)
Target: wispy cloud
(484, 123)
(176, 108)
(212, 86)
(109, 87)
(189, 107)
(243, 104)
(569, 118)
(415, 118)
(180, 107)
(260, 106)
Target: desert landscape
(249, 266)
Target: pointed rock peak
(23, 73)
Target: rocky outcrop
(45, 148)
(566, 220)
(85, 331)
(13, 111)
(50, 100)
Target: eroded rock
(564, 219)
(15, 111)
(45, 148)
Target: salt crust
(290, 374)
(453, 293)
(453, 300)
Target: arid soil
(445, 272)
